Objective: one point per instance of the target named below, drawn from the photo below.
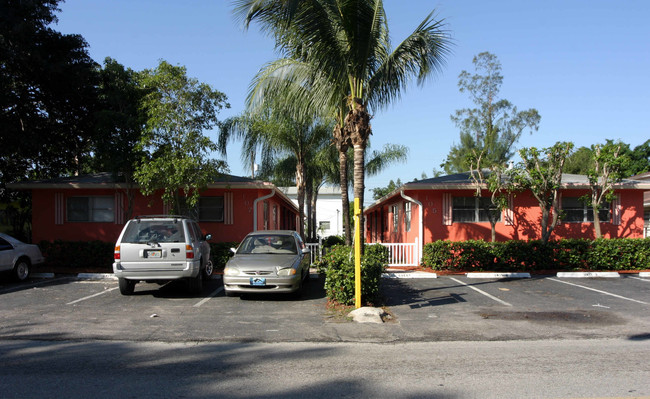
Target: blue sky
(583, 64)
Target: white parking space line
(600, 291)
(212, 295)
(91, 296)
(23, 286)
(642, 279)
(482, 292)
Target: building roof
(324, 190)
(108, 180)
(462, 181)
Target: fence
(399, 254)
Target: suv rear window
(146, 231)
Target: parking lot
(448, 308)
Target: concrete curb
(409, 275)
(497, 275)
(96, 276)
(42, 275)
(588, 274)
(644, 274)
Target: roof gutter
(420, 222)
(255, 206)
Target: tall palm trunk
(342, 144)
(310, 226)
(300, 186)
(357, 123)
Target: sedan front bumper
(260, 284)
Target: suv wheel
(209, 268)
(126, 286)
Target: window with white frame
(407, 216)
(90, 209)
(211, 209)
(472, 209)
(576, 210)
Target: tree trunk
(314, 199)
(310, 227)
(300, 186)
(357, 123)
(345, 200)
(599, 234)
(342, 143)
(493, 232)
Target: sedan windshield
(268, 244)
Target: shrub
(331, 241)
(509, 256)
(220, 253)
(339, 280)
(78, 255)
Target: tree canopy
(489, 131)
(178, 110)
(48, 85)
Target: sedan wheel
(21, 270)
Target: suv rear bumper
(157, 272)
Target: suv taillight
(116, 254)
(189, 252)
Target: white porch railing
(315, 249)
(399, 254)
(402, 254)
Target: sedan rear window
(268, 244)
(154, 231)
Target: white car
(161, 248)
(18, 257)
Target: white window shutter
(447, 216)
(59, 208)
(616, 208)
(228, 208)
(118, 209)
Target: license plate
(258, 281)
(154, 253)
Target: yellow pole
(357, 253)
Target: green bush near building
(531, 256)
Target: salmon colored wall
(379, 223)
(44, 227)
(526, 226)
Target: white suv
(162, 247)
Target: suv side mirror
(306, 251)
(233, 250)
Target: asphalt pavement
(448, 308)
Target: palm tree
(340, 49)
(276, 133)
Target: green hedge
(339, 274)
(220, 253)
(79, 255)
(526, 256)
(98, 255)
